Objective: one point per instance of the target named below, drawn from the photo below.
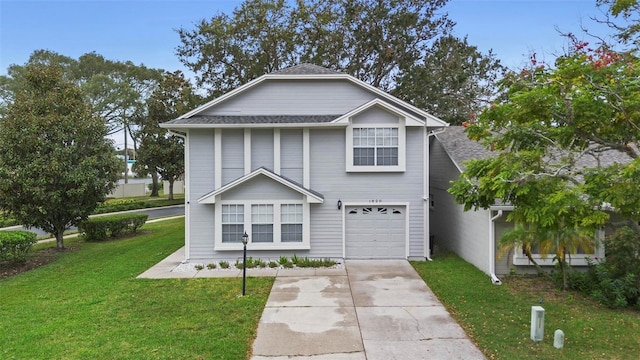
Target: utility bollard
(558, 339)
(537, 323)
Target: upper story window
(376, 148)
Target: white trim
(187, 196)
(384, 203)
(306, 162)
(213, 197)
(276, 244)
(410, 119)
(276, 151)
(247, 151)
(217, 144)
(402, 148)
(574, 260)
(425, 195)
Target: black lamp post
(245, 239)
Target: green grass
(497, 318)
(88, 304)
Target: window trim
(402, 148)
(520, 259)
(277, 243)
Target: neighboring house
(307, 161)
(474, 234)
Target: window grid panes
(291, 222)
(375, 146)
(232, 223)
(262, 223)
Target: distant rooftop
(460, 148)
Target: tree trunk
(537, 266)
(171, 189)
(60, 239)
(154, 184)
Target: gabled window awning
(311, 197)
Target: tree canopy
(389, 44)
(159, 151)
(567, 139)
(55, 163)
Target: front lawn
(497, 318)
(88, 304)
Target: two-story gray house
(307, 161)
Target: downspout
(187, 212)
(492, 249)
(425, 195)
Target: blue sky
(143, 31)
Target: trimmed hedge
(15, 246)
(102, 227)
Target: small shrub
(15, 246)
(101, 227)
(283, 260)
(287, 265)
(199, 267)
(261, 263)
(239, 265)
(273, 264)
(224, 264)
(211, 266)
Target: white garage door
(375, 232)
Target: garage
(375, 232)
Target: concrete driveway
(378, 310)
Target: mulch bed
(37, 259)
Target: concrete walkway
(370, 310)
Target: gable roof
(461, 149)
(312, 197)
(298, 72)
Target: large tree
(374, 40)
(455, 81)
(555, 130)
(116, 90)
(160, 152)
(55, 163)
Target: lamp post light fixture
(339, 204)
(245, 239)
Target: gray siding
(201, 181)
(328, 176)
(465, 233)
(295, 97)
(291, 154)
(262, 148)
(375, 115)
(261, 188)
(233, 154)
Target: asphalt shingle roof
(305, 69)
(253, 119)
(460, 148)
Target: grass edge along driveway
(88, 304)
(497, 318)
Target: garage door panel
(375, 232)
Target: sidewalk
(369, 310)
